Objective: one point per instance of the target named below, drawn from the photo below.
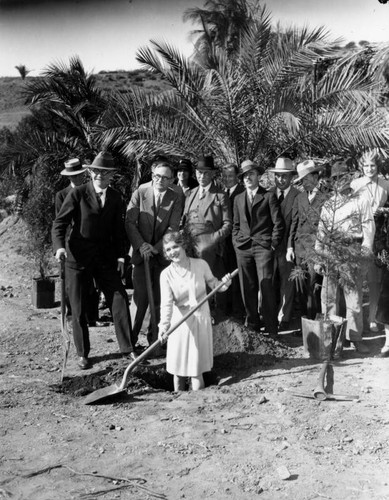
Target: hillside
(12, 101)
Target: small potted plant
(38, 214)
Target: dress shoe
(385, 351)
(83, 363)
(374, 327)
(360, 347)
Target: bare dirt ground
(245, 436)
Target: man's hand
(60, 253)
(290, 256)
(319, 269)
(146, 250)
(120, 268)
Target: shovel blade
(100, 394)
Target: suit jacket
(286, 211)
(97, 234)
(60, 197)
(265, 226)
(305, 219)
(142, 225)
(213, 211)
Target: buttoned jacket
(213, 210)
(265, 226)
(286, 211)
(143, 225)
(97, 233)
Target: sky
(106, 34)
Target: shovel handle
(151, 348)
(149, 288)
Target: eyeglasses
(163, 178)
(99, 171)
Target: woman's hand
(162, 336)
(226, 280)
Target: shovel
(149, 287)
(64, 328)
(115, 389)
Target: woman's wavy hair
(183, 238)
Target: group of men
(234, 222)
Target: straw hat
(305, 168)
(283, 166)
(73, 167)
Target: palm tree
(222, 24)
(265, 101)
(23, 71)
(72, 96)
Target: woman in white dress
(183, 285)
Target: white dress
(190, 346)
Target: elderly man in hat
(345, 231)
(184, 179)
(153, 210)
(95, 249)
(207, 216)
(75, 173)
(257, 232)
(284, 173)
(305, 219)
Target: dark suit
(209, 221)
(96, 241)
(60, 197)
(144, 225)
(302, 236)
(93, 295)
(257, 229)
(285, 288)
(232, 298)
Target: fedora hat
(339, 168)
(104, 161)
(184, 164)
(73, 167)
(247, 166)
(205, 163)
(283, 166)
(306, 167)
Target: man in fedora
(153, 210)
(184, 179)
(75, 173)
(257, 232)
(284, 173)
(207, 216)
(95, 249)
(345, 232)
(305, 219)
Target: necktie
(202, 194)
(251, 196)
(281, 197)
(99, 200)
(157, 202)
(228, 191)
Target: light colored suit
(144, 225)
(209, 221)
